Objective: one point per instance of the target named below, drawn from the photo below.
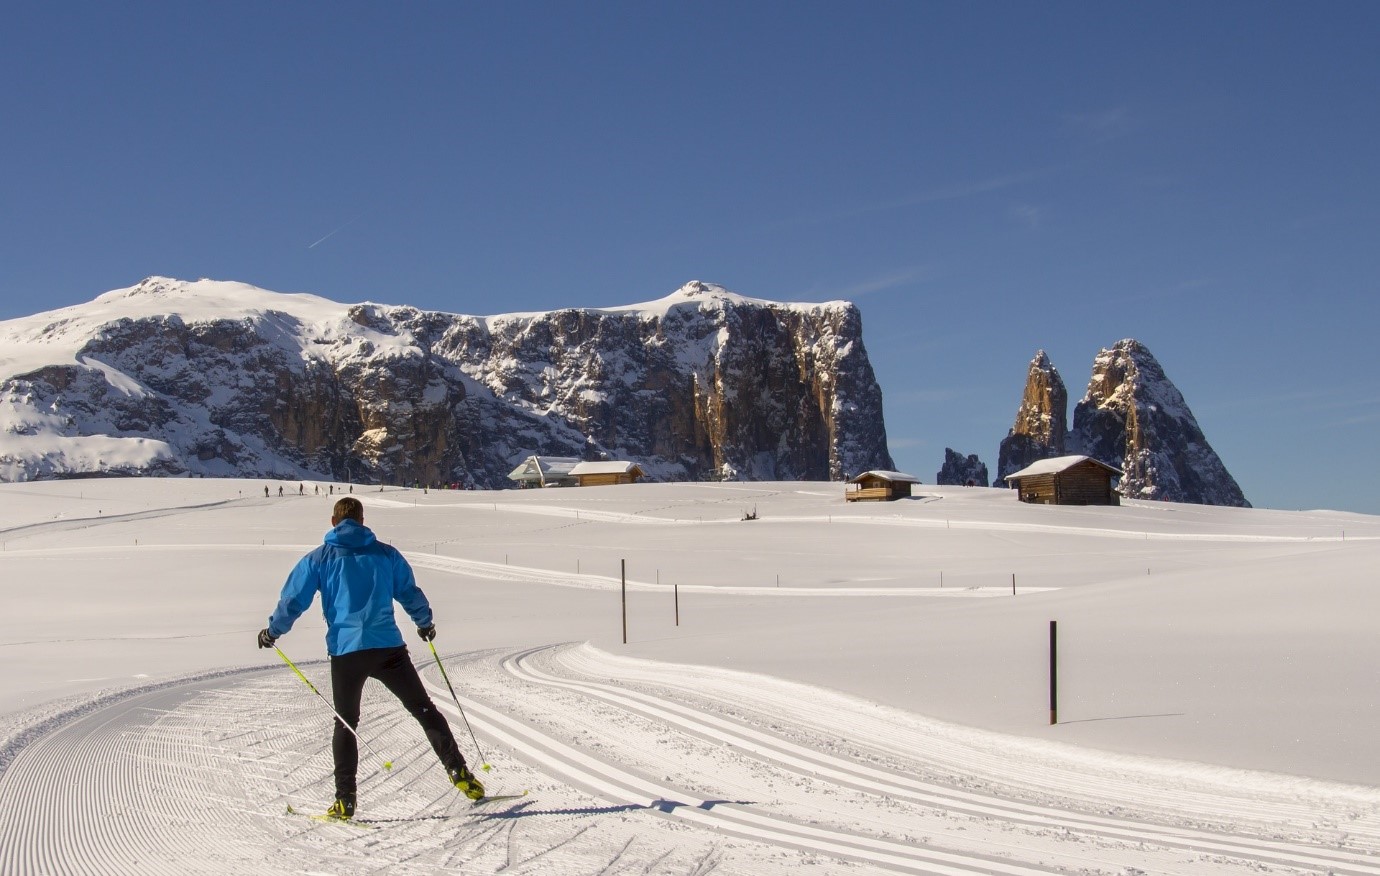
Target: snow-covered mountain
(220, 378)
(1132, 417)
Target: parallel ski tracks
(1273, 804)
(166, 786)
(614, 783)
(812, 763)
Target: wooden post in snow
(623, 565)
(1053, 672)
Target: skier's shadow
(525, 810)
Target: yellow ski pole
(387, 764)
(484, 762)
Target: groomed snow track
(635, 768)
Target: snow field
(859, 718)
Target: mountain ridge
(217, 378)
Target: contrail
(332, 234)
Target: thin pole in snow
(1053, 672)
(623, 564)
(1013, 583)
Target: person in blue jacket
(359, 577)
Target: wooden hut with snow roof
(1066, 480)
(599, 474)
(545, 471)
(879, 486)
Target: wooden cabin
(600, 474)
(1066, 480)
(879, 486)
(545, 471)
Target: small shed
(880, 486)
(599, 474)
(1066, 480)
(545, 471)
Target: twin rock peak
(1132, 417)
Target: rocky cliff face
(1041, 420)
(962, 471)
(1134, 418)
(171, 377)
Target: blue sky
(982, 179)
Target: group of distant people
(330, 488)
(316, 489)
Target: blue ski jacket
(358, 577)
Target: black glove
(266, 639)
(427, 632)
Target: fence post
(1053, 672)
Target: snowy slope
(857, 689)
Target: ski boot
(343, 809)
(465, 782)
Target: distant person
(280, 491)
(359, 578)
(265, 491)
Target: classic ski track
(626, 787)
(811, 762)
(182, 778)
(618, 784)
(1281, 801)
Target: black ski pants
(394, 668)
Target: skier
(359, 577)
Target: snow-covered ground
(860, 688)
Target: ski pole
(387, 764)
(484, 763)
